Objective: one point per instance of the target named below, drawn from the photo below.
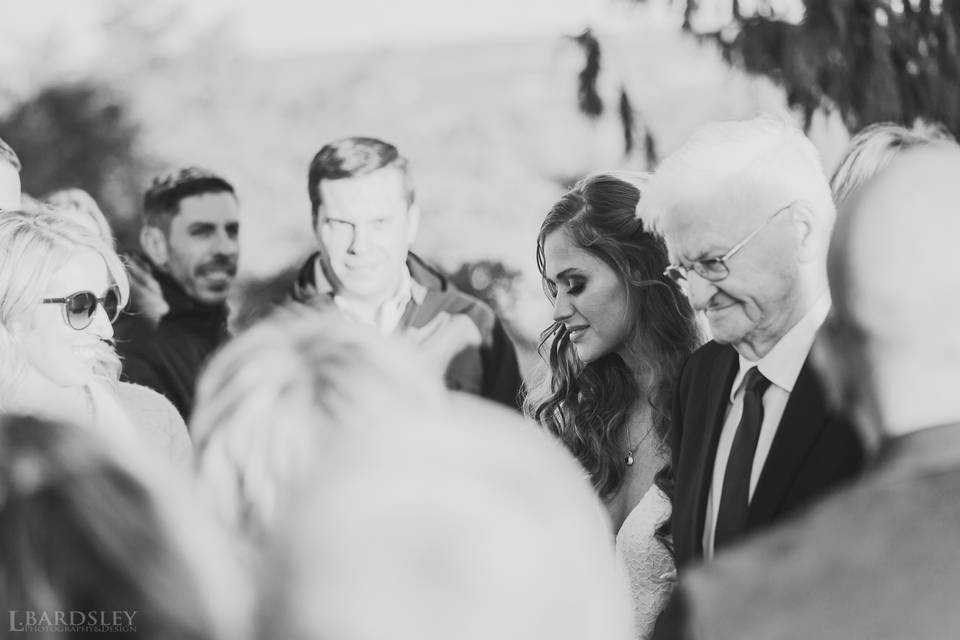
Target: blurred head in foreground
(83, 209)
(280, 393)
(890, 349)
(80, 531)
(873, 148)
(482, 527)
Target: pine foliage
(870, 60)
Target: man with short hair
(189, 239)
(9, 178)
(365, 218)
(746, 213)
(877, 560)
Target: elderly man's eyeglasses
(79, 308)
(716, 269)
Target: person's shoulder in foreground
(873, 561)
(158, 420)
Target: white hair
(111, 502)
(764, 163)
(33, 247)
(280, 392)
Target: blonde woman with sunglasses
(61, 287)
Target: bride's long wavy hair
(587, 404)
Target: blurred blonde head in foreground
(481, 527)
(84, 528)
(80, 207)
(890, 350)
(875, 151)
(279, 394)
(875, 147)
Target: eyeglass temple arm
(740, 245)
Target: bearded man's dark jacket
(168, 357)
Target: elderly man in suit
(746, 212)
(877, 560)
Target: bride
(620, 335)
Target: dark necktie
(735, 500)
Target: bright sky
(288, 23)
(286, 26)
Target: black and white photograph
(479, 319)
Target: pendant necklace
(628, 459)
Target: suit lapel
(804, 417)
(715, 410)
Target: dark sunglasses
(80, 307)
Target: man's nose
(699, 290)
(227, 244)
(360, 238)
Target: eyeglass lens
(712, 270)
(82, 306)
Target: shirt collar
(418, 291)
(781, 366)
(388, 316)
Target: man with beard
(189, 242)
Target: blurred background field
(488, 118)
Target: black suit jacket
(168, 358)
(813, 451)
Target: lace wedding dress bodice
(647, 562)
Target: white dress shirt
(780, 366)
(387, 317)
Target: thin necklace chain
(644, 410)
(628, 459)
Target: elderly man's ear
(810, 245)
(154, 244)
